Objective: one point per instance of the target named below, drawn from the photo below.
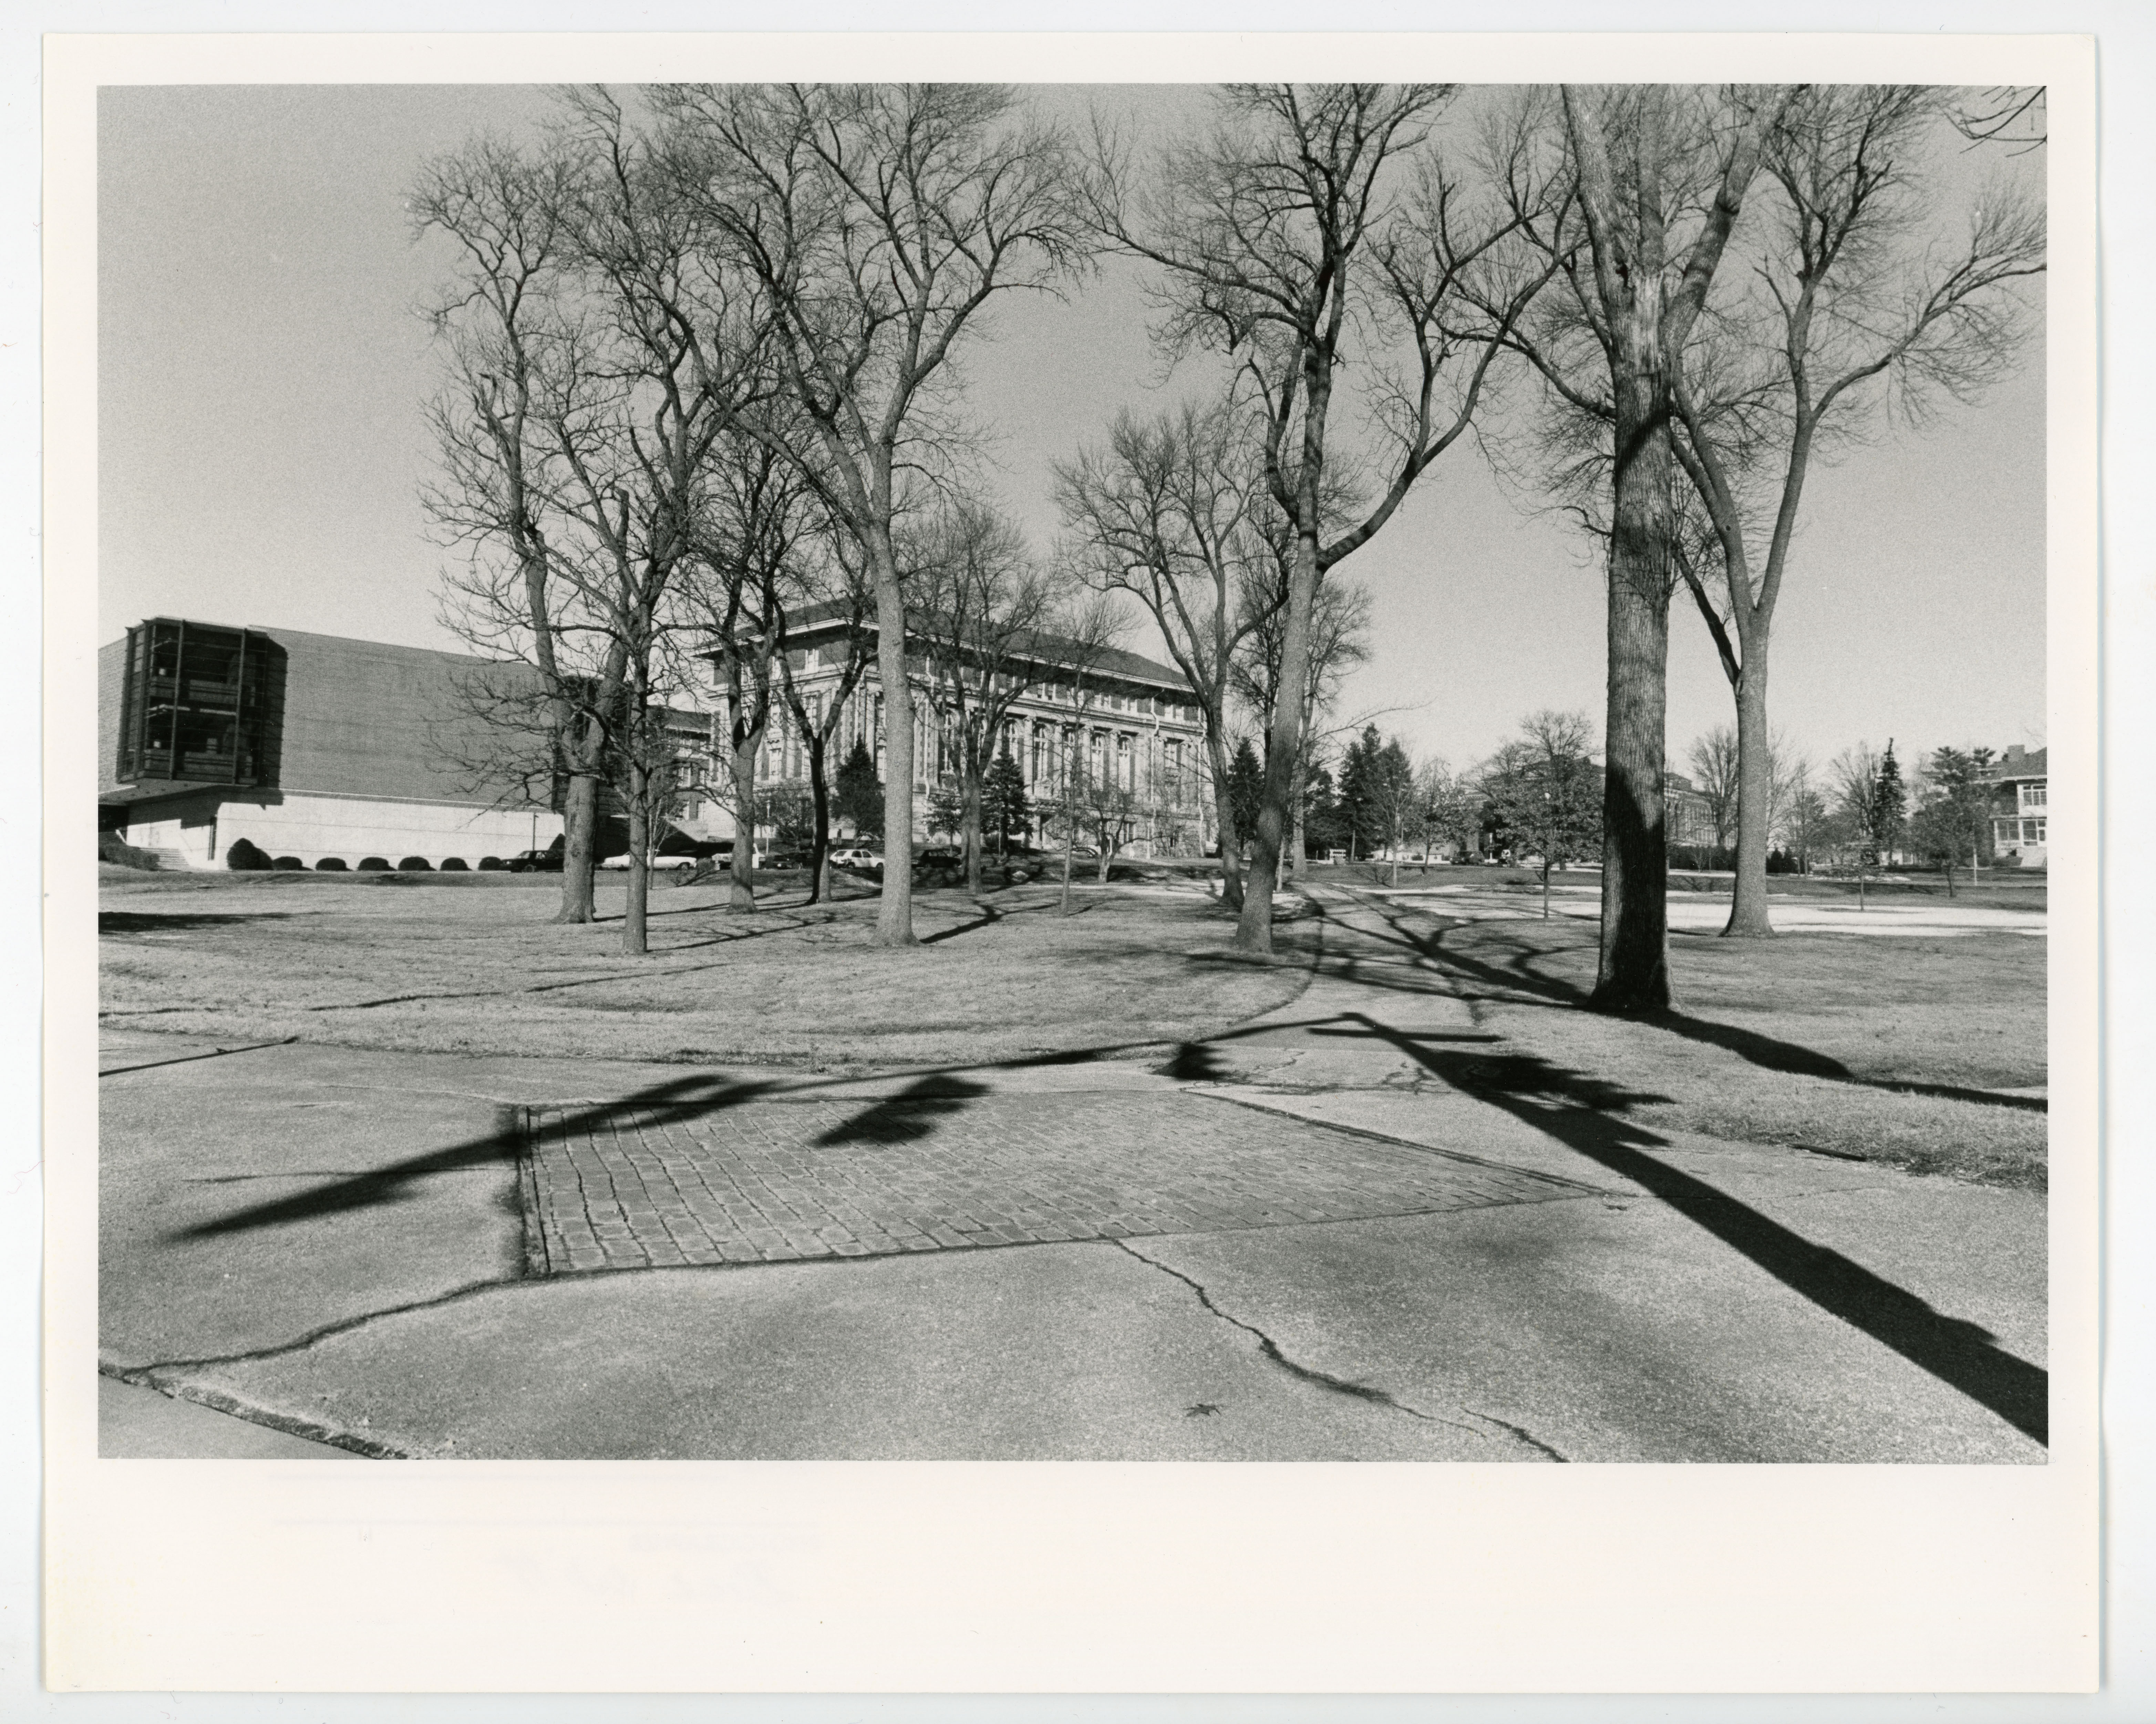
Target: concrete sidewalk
(1291, 1242)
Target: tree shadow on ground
(659, 1104)
(910, 1115)
(137, 921)
(1518, 973)
(1584, 1113)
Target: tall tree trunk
(819, 799)
(633, 921)
(580, 809)
(1633, 973)
(1254, 929)
(1224, 814)
(1747, 905)
(895, 907)
(969, 819)
(746, 750)
(1298, 848)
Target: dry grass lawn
(476, 966)
(1885, 1050)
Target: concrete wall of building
(196, 830)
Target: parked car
(536, 862)
(658, 863)
(856, 856)
(940, 856)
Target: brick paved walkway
(940, 1169)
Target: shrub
(112, 848)
(287, 864)
(455, 864)
(245, 857)
(489, 864)
(413, 864)
(374, 864)
(330, 865)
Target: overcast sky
(263, 365)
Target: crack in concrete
(1270, 1351)
(1524, 1435)
(344, 1325)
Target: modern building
(1133, 722)
(308, 745)
(2022, 783)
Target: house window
(2033, 796)
(1126, 762)
(2032, 832)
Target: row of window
(2023, 832)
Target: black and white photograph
(1176, 771)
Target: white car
(658, 864)
(855, 856)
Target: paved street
(1316, 1237)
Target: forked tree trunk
(1748, 907)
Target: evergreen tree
(1246, 789)
(1361, 793)
(1004, 809)
(1321, 826)
(1890, 804)
(946, 811)
(858, 797)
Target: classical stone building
(1134, 722)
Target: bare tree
(878, 221)
(1658, 174)
(1712, 758)
(498, 324)
(2010, 113)
(1452, 806)
(754, 548)
(1541, 787)
(1169, 511)
(838, 593)
(984, 619)
(1315, 237)
(1861, 298)
(1336, 641)
(588, 462)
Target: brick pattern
(772, 1181)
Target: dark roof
(1049, 648)
(2032, 765)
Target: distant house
(2022, 784)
